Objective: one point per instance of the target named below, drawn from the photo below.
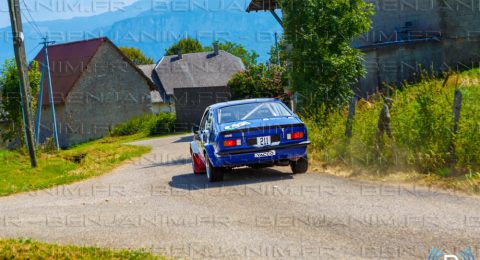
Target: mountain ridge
(154, 28)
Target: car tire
(214, 174)
(300, 165)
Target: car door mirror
(196, 133)
(195, 129)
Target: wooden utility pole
(20, 57)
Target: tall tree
(259, 81)
(136, 56)
(186, 45)
(319, 34)
(10, 106)
(274, 58)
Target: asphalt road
(158, 204)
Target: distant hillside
(155, 28)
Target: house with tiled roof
(95, 87)
(194, 81)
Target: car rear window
(251, 111)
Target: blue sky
(225, 19)
(42, 10)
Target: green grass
(421, 120)
(27, 249)
(66, 166)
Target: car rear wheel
(214, 174)
(300, 165)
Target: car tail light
(295, 135)
(232, 142)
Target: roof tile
(67, 63)
(202, 69)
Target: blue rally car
(255, 132)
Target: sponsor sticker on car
(265, 154)
(236, 125)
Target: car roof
(244, 101)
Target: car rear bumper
(247, 156)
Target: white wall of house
(163, 107)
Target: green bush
(162, 124)
(259, 81)
(421, 121)
(147, 124)
(10, 105)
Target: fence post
(351, 114)
(457, 106)
(384, 126)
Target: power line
(32, 25)
(31, 21)
(30, 51)
(30, 14)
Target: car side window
(204, 120)
(209, 123)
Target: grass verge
(420, 150)
(464, 184)
(28, 249)
(66, 166)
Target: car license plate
(265, 154)
(264, 140)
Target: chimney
(179, 54)
(215, 48)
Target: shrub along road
(158, 204)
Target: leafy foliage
(162, 124)
(186, 45)
(279, 59)
(136, 56)
(148, 124)
(259, 81)
(323, 63)
(10, 107)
